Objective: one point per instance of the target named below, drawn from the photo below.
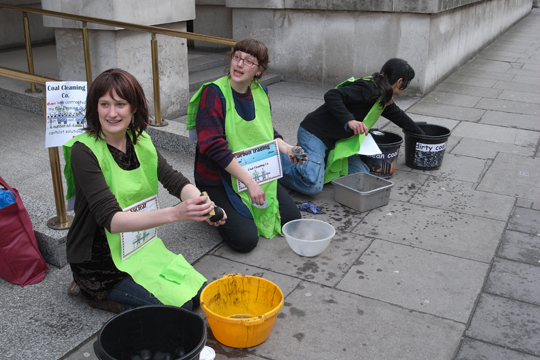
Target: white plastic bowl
(308, 237)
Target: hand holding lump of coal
(216, 214)
(299, 153)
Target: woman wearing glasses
(232, 114)
(331, 135)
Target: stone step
(204, 60)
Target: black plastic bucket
(384, 164)
(426, 152)
(167, 329)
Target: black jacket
(349, 103)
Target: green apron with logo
(169, 277)
(337, 163)
(243, 134)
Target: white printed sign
(65, 111)
(262, 162)
(135, 241)
(430, 147)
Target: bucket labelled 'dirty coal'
(426, 152)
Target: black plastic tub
(426, 152)
(154, 328)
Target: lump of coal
(299, 153)
(146, 354)
(218, 214)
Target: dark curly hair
(128, 88)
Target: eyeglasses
(247, 62)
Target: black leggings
(239, 232)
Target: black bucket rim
(429, 137)
(395, 143)
(100, 351)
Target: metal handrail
(24, 76)
(62, 220)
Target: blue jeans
(309, 178)
(133, 295)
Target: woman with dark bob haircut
(229, 115)
(113, 171)
(333, 133)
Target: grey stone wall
(12, 29)
(212, 17)
(323, 46)
(409, 6)
(127, 49)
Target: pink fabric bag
(21, 262)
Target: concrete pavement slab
(474, 349)
(510, 38)
(436, 285)
(447, 232)
(301, 90)
(406, 184)
(487, 65)
(459, 196)
(488, 150)
(471, 81)
(523, 72)
(55, 322)
(498, 134)
(453, 99)
(214, 267)
(511, 107)
(513, 175)
(342, 218)
(520, 247)
(524, 203)
(432, 108)
(499, 56)
(482, 74)
(511, 85)
(514, 280)
(520, 96)
(525, 220)
(525, 79)
(321, 323)
(458, 167)
(511, 46)
(529, 60)
(520, 121)
(506, 322)
(531, 67)
(471, 90)
(34, 166)
(327, 268)
(37, 181)
(288, 112)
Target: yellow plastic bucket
(241, 309)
